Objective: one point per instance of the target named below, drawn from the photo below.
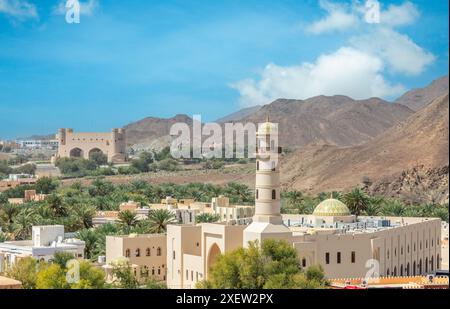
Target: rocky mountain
(421, 140)
(240, 114)
(336, 120)
(418, 98)
(151, 129)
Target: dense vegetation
(272, 265)
(63, 272)
(360, 203)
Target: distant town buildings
(83, 145)
(38, 144)
(45, 242)
(15, 180)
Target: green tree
(25, 270)
(356, 200)
(51, 276)
(55, 203)
(124, 275)
(46, 185)
(207, 218)
(23, 223)
(99, 158)
(159, 219)
(128, 219)
(90, 237)
(274, 264)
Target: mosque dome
(331, 208)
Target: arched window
(137, 253)
(147, 252)
(414, 268)
(257, 193)
(159, 271)
(401, 270)
(426, 265)
(274, 194)
(432, 263)
(395, 271)
(438, 261)
(387, 272)
(303, 262)
(257, 165)
(158, 251)
(127, 253)
(153, 271)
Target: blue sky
(127, 60)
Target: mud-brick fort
(83, 145)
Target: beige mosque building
(344, 245)
(82, 145)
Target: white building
(38, 144)
(46, 241)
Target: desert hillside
(418, 98)
(337, 120)
(151, 129)
(421, 140)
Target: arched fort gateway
(83, 145)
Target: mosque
(344, 245)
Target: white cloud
(356, 69)
(347, 71)
(18, 8)
(86, 8)
(338, 19)
(398, 15)
(397, 50)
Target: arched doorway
(76, 153)
(438, 262)
(414, 268)
(401, 270)
(213, 254)
(395, 271)
(426, 265)
(420, 266)
(97, 155)
(407, 270)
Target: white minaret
(267, 222)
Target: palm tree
(128, 219)
(294, 198)
(207, 218)
(356, 200)
(55, 203)
(159, 219)
(23, 223)
(374, 206)
(394, 208)
(239, 192)
(8, 213)
(90, 237)
(85, 214)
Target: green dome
(331, 208)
